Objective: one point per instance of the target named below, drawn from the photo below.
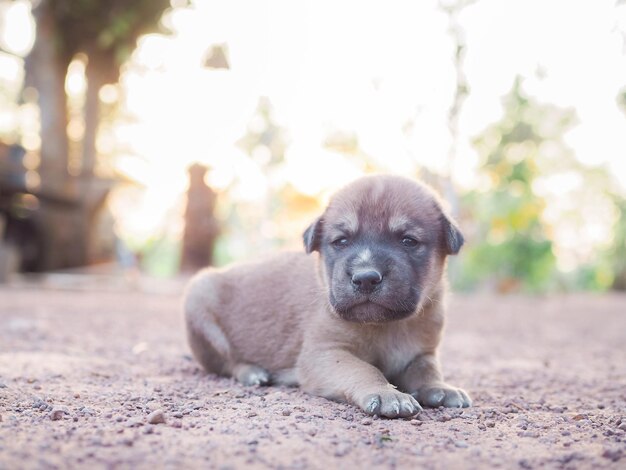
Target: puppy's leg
(286, 377)
(212, 350)
(339, 375)
(423, 379)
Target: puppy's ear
(312, 236)
(452, 236)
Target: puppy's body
(255, 312)
(353, 322)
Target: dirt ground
(84, 370)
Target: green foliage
(105, 31)
(509, 243)
(160, 257)
(616, 254)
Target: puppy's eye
(340, 242)
(410, 242)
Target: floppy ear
(312, 236)
(452, 236)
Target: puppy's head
(383, 241)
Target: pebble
(156, 417)
(286, 412)
(342, 449)
(134, 423)
(56, 414)
(461, 444)
(366, 422)
(612, 454)
(622, 427)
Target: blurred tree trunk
(107, 33)
(95, 81)
(46, 69)
(101, 69)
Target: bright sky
(366, 67)
(369, 67)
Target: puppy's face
(383, 241)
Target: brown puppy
(359, 322)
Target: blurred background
(150, 137)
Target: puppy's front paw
(436, 395)
(391, 404)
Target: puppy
(360, 320)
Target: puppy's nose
(367, 280)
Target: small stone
(127, 441)
(461, 444)
(342, 449)
(177, 424)
(366, 422)
(134, 423)
(252, 414)
(286, 412)
(156, 417)
(622, 427)
(612, 454)
(56, 414)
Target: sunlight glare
(17, 27)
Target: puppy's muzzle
(366, 280)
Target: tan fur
(271, 321)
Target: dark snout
(366, 280)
